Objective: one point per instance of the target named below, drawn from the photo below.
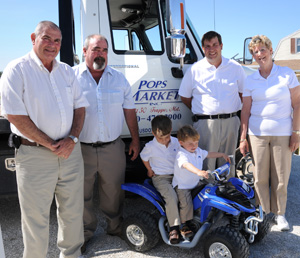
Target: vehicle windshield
(135, 26)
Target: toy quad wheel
(140, 231)
(263, 229)
(226, 242)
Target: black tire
(263, 229)
(140, 231)
(226, 242)
(245, 165)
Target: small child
(158, 157)
(188, 173)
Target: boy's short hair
(187, 131)
(161, 124)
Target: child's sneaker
(186, 232)
(282, 223)
(174, 237)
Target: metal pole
(214, 16)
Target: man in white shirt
(43, 101)
(212, 89)
(110, 99)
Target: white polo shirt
(105, 116)
(183, 178)
(271, 110)
(48, 98)
(160, 157)
(214, 90)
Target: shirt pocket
(69, 93)
(112, 97)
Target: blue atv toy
(232, 201)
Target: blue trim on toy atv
(212, 201)
(147, 191)
(206, 199)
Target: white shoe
(282, 223)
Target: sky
(235, 20)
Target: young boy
(188, 173)
(159, 156)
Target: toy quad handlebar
(222, 172)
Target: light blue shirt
(105, 116)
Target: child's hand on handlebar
(226, 157)
(203, 173)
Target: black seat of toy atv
(229, 192)
(196, 190)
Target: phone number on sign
(149, 118)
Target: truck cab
(139, 47)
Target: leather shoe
(174, 237)
(186, 232)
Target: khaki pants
(272, 158)
(109, 162)
(186, 207)
(218, 135)
(41, 175)
(163, 184)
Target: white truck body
(154, 88)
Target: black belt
(98, 144)
(195, 118)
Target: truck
(152, 42)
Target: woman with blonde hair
(271, 117)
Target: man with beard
(110, 99)
(212, 88)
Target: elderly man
(42, 99)
(110, 99)
(212, 89)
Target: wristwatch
(74, 138)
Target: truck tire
(226, 242)
(140, 231)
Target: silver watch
(74, 138)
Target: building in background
(287, 52)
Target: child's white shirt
(183, 178)
(160, 157)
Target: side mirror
(247, 57)
(176, 46)
(176, 42)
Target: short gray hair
(88, 40)
(45, 24)
(259, 40)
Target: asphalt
(276, 244)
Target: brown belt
(29, 143)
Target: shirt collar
(83, 68)
(223, 63)
(159, 144)
(190, 153)
(273, 70)
(39, 63)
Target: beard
(99, 63)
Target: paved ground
(276, 244)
